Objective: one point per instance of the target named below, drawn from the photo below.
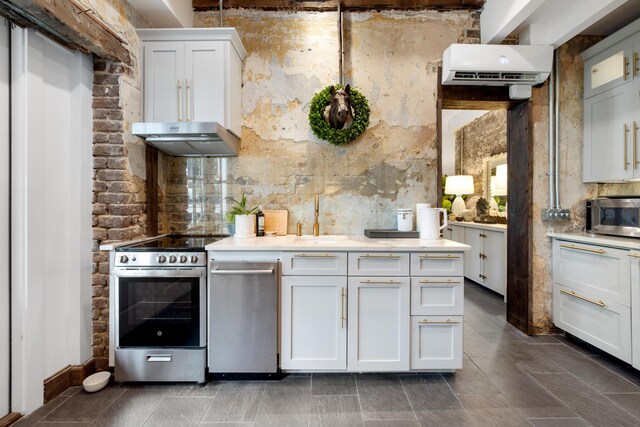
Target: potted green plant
(242, 218)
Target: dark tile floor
(508, 379)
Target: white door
(4, 219)
(472, 261)
(495, 265)
(378, 323)
(314, 329)
(634, 258)
(608, 151)
(51, 191)
(205, 82)
(164, 85)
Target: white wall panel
(51, 212)
(4, 219)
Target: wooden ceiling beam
(68, 23)
(201, 5)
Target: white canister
(245, 226)
(405, 219)
(419, 207)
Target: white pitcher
(430, 222)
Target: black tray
(391, 234)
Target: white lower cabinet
(378, 323)
(603, 323)
(436, 342)
(314, 328)
(634, 260)
(437, 295)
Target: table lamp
(458, 185)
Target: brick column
(118, 197)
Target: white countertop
(336, 243)
(599, 239)
(496, 227)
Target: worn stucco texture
(573, 192)
(391, 57)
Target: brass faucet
(316, 224)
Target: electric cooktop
(182, 243)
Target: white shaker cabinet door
(205, 82)
(378, 323)
(634, 257)
(436, 342)
(163, 81)
(314, 328)
(495, 263)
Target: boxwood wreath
(321, 128)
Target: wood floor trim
(71, 375)
(9, 419)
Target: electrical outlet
(555, 214)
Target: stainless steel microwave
(618, 216)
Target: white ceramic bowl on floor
(96, 382)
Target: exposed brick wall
(484, 137)
(118, 197)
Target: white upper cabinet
(193, 75)
(609, 68)
(612, 107)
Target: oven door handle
(268, 271)
(187, 272)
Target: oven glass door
(160, 311)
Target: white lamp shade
(501, 176)
(459, 184)
(496, 189)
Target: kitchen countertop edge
(599, 239)
(342, 243)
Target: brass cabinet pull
(439, 257)
(390, 256)
(577, 248)
(314, 256)
(437, 322)
(179, 100)
(573, 294)
(626, 65)
(380, 282)
(634, 255)
(635, 143)
(594, 70)
(441, 282)
(342, 295)
(624, 141)
(186, 103)
(635, 67)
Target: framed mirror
(490, 167)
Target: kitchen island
(352, 303)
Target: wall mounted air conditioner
(496, 65)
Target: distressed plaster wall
(572, 191)
(477, 141)
(391, 57)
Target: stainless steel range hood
(193, 139)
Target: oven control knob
(183, 259)
(124, 259)
(162, 258)
(194, 259)
(173, 258)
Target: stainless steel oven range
(160, 309)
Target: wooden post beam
(68, 23)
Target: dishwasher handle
(222, 272)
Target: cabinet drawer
(437, 295)
(601, 322)
(436, 342)
(597, 270)
(437, 264)
(314, 263)
(378, 264)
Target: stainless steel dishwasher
(243, 317)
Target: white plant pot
(245, 226)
